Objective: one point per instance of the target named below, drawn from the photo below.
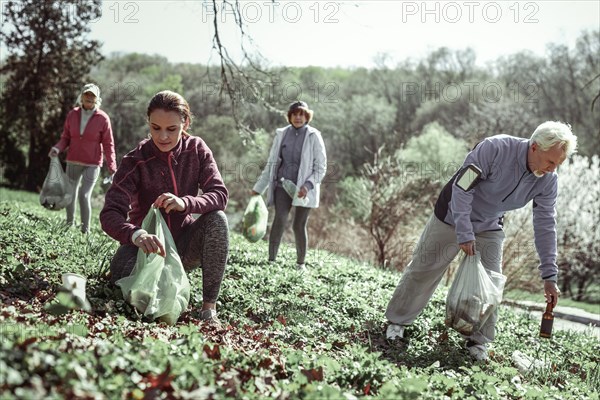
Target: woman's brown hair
(171, 101)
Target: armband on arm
(468, 177)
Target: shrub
(394, 195)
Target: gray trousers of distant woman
(283, 205)
(83, 178)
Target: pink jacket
(145, 173)
(96, 140)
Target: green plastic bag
(255, 219)
(158, 286)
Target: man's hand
(468, 247)
(53, 152)
(551, 292)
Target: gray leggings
(204, 244)
(283, 204)
(87, 177)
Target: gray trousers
(433, 254)
(86, 177)
(204, 244)
(283, 204)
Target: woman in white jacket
(298, 155)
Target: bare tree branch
(598, 95)
(245, 75)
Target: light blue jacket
(506, 184)
(313, 165)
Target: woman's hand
(302, 192)
(169, 202)
(150, 244)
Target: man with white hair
(500, 174)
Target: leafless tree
(246, 74)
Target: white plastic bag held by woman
(57, 191)
(158, 286)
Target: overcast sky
(341, 33)
(347, 33)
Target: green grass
(286, 335)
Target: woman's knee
(280, 217)
(85, 196)
(215, 224)
(300, 224)
(299, 227)
(216, 220)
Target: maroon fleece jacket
(145, 173)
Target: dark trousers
(283, 205)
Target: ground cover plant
(285, 334)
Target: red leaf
(367, 389)
(214, 353)
(313, 374)
(244, 374)
(281, 320)
(265, 363)
(443, 337)
(24, 344)
(338, 345)
(156, 384)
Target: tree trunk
(580, 289)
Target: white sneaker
(207, 315)
(301, 267)
(478, 351)
(394, 332)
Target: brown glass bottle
(547, 320)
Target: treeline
(360, 110)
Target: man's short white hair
(552, 132)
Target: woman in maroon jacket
(87, 135)
(167, 171)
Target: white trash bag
(57, 191)
(474, 295)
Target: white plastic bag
(473, 296)
(292, 190)
(57, 191)
(525, 363)
(158, 286)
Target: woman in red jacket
(167, 171)
(88, 136)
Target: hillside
(285, 335)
